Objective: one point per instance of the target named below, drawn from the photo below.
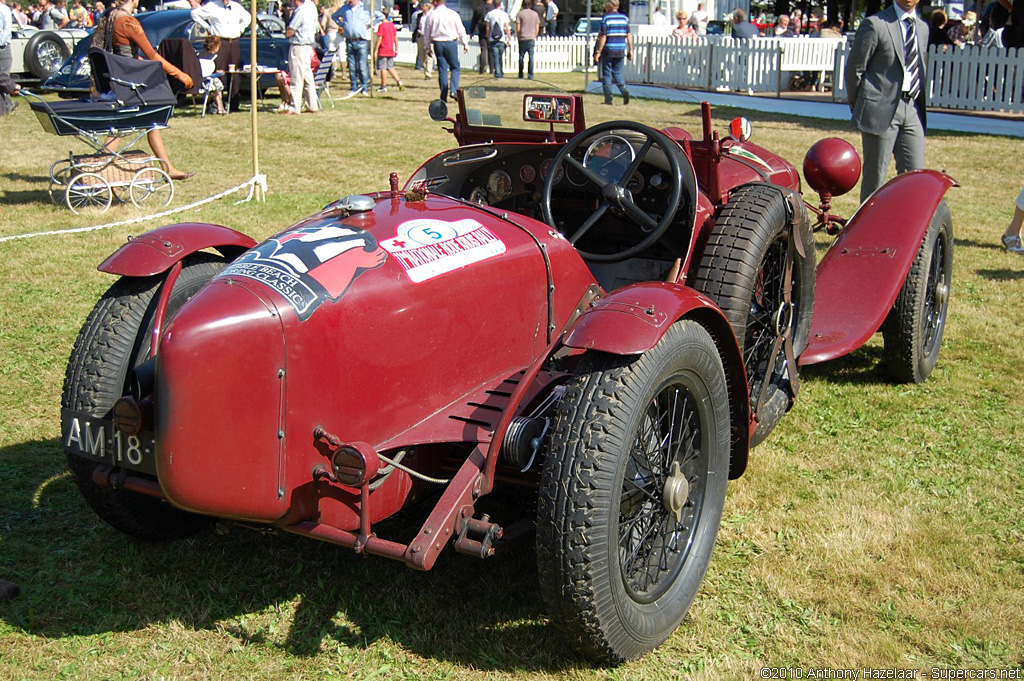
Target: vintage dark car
(72, 78)
(600, 319)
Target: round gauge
(479, 195)
(657, 181)
(576, 177)
(609, 157)
(528, 173)
(635, 184)
(545, 168)
(499, 184)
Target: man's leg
(352, 73)
(497, 56)
(522, 56)
(441, 51)
(606, 79)
(6, 61)
(235, 58)
(363, 68)
(484, 55)
(531, 46)
(308, 81)
(877, 156)
(620, 81)
(909, 147)
(295, 55)
(453, 62)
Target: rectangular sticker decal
(429, 248)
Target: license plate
(97, 439)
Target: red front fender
(157, 251)
(633, 319)
(861, 275)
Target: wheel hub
(941, 295)
(676, 492)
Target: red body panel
(336, 373)
(861, 275)
(156, 251)
(633, 319)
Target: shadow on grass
(864, 366)
(27, 197)
(1005, 274)
(21, 177)
(80, 577)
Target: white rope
(251, 183)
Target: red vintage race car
(605, 319)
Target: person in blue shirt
(355, 23)
(614, 45)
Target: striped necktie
(913, 58)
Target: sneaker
(606, 103)
(625, 97)
(364, 92)
(401, 88)
(382, 89)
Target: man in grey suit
(886, 85)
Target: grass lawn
(880, 525)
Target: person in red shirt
(385, 49)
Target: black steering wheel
(615, 197)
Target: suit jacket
(874, 72)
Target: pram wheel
(151, 185)
(88, 191)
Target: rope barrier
(251, 183)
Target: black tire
(912, 334)
(605, 587)
(741, 269)
(44, 54)
(113, 340)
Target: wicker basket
(115, 170)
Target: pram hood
(134, 82)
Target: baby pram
(137, 99)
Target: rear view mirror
(438, 110)
(548, 109)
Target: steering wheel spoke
(591, 221)
(587, 172)
(614, 194)
(638, 214)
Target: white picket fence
(970, 78)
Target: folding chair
(320, 78)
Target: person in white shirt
(499, 33)
(659, 18)
(444, 31)
(699, 19)
(6, 57)
(301, 32)
(552, 18)
(227, 20)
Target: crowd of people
(57, 14)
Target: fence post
(711, 62)
(650, 55)
(778, 87)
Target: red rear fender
(633, 319)
(156, 251)
(861, 275)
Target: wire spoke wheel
(662, 493)
(632, 492)
(88, 192)
(750, 267)
(912, 333)
(152, 186)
